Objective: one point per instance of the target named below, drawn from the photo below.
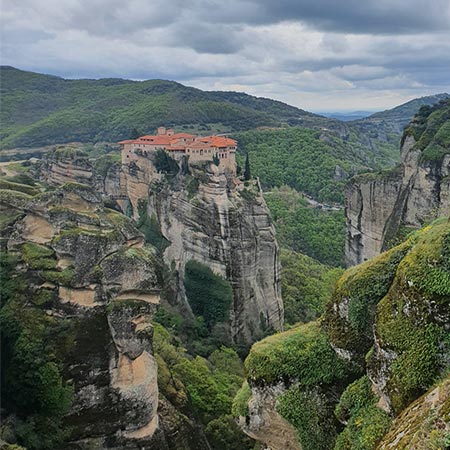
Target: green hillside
(388, 125)
(41, 109)
(311, 160)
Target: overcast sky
(320, 55)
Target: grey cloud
(207, 38)
(351, 16)
(318, 48)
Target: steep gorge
(372, 372)
(383, 341)
(379, 206)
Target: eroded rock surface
(210, 217)
(379, 206)
(87, 268)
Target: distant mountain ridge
(42, 109)
(347, 116)
(397, 118)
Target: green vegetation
(202, 387)
(311, 414)
(198, 338)
(424, 419)
(317, 233)
(302, 353)
(40, 109)
(69, 152)
(149, 225)
(431, 130)
(365, 423)
(208, 294)
(192, 185)
(26, 189)
(383, 129)
(31, 381)
(304, 358)
(103, 163)
(38, 256)
(165, 163)
(419, 340)
(247, 173)
(403, 296)
(240, 402)
(359, 291)
(14, 198)
(306, 161)
(7, 218)
(306, 286)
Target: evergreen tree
(135, 133)
(247, 174)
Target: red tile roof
(178, 141)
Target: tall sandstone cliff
(202, 213)
(84, 289)
(380, 206)
(209, 216)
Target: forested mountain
(42, 109)
(388, 125)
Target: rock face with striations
(92, 281)
(211, 217)
(203, 214)
(379, 206)
(232, 234)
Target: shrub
(164, 163)
(310, 413)
(302, 353)
(240, 402)
(208, 294)
(224, 434)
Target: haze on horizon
(318, 55)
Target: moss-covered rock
(19, 187)
(313, 376)
(412, 321)
(365, 423)
(395, 308)
(349, 318)
(423, 425)
(303, 354)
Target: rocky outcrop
(90, 276)
(230, 231)
(264, 424)
(424, 425)
(211, 217)
(379, 206)
(67, 163)
(386, 328)
(205, 215)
